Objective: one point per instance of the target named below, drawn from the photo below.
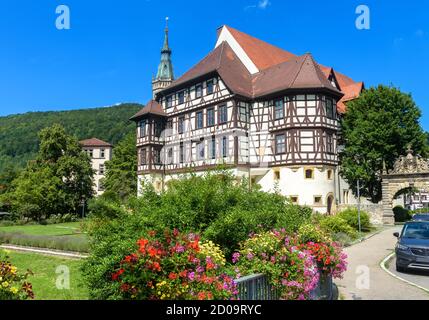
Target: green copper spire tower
(165, 75)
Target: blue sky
(112, 49)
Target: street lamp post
(359, 221)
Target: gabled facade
(99, 152)
(267, 114)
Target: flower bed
(292, 268)
(177, 266)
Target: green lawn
(61, 229)
(45, 277)
(64, 236)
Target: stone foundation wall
(375, 211)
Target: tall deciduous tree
(57, 181)
(378, 127)
(121, 175)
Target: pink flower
(235, 257)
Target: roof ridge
(221, 55)
(299, 70)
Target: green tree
(57, 181)
(9, 173)
(378, 127)
(121, 175)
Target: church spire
(165, 74)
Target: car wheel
(400, 269)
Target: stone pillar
(388, 216)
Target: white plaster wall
(293, 183)
(96, 161)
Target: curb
(62, 254)
(366, 238)
(383, 266)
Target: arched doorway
(330, 204)
(409, 172)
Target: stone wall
(375, 211)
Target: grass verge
(44, 276)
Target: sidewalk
(382, 286)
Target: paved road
(365, 280)
(421, 278)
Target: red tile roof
(225, 62)
(278, 70)
(94, 142)
(262, 54)
(351, 92)
(297, 73)
(152, 107)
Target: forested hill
(18, 133)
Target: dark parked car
(412, 250)
(421, 217)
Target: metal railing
(257, 287)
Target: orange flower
(201, 296)
(210, 266)
(152, 251)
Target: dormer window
(198, 91)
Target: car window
(416, 231)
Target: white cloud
(262, 4)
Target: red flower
(116, 275)
(156, 266)
(201, 296)
(183, 274)
(125, 287)
(172, 276)
(152, 251)
(210, 266)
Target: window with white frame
(223, 114)
(280, 144)
(199, 120)
(198, 91)
(210, 86)
(279, 109)
(210, 117)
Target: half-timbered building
(266, 114)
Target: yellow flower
(13, 270)
(14, 290)
(5, 284)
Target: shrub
(110, 239)
(352, 218)
(13, 286)
(311, 233)
(291, 272)
(66, 243)
(214, 206)
(337, 226)
(173, 267)
(401, 214)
